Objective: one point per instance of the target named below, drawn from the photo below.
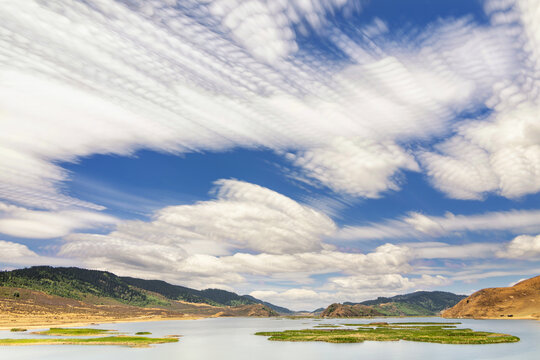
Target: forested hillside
(77, 283)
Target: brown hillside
(345, 311)
(521, 301)
(28, 308)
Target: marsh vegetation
(92, 337)
(131, 341)
(74, 332)
(442, 333)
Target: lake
(232, 338)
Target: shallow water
(232, 338)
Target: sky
(304, 152)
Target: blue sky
(303, 152)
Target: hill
(25, 308)
(521, 301)
(420, 303)
(276, 308)
(342, 310)
(99, 286)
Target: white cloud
(419, 225)
(516, 282)
(161, 79)
(10, 250)
(173, 261)
(394, 282)
(14, 254)
(360, 168)
(244, 216)
(522, 247)
(265, 28)
(388, 283)
(436, 250)
(349, 288)
(262, 28)
(501, 154)
(290, 294)
(21, 222)
(386, 258)
(247, 231)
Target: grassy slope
(402, 309)
(79, 284)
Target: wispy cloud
(357, 167)
(419, 225)
(247, 230)
(25, 223)
(502, 153)
(522, 247)
(16, 255)
(109, 78)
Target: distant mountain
(416, 303)
(521, 301)
(81, 284)
(420, 303)
(316, 311)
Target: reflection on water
(232, 338)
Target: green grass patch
(327, 326)
(427, 323)
(143, 333)
(132, 341)
(73, 332)
(17, 330)
(442, 334)
(401, 325)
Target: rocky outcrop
(521, 301)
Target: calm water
(232, 338)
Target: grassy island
(131, 341)
(98, 337)
(74, 332)
(442, 333)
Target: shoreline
(101, 321)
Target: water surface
(233, 339)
